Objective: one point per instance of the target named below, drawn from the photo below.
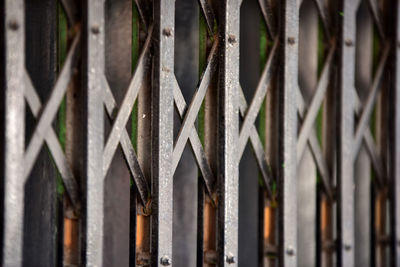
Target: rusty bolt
(291, 40)
(167, 32)
(348, 42)
(230, 259)
(95, 29)
(232, 38)
(165, 260)
(13, 24)
(290, 251)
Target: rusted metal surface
(318, 110)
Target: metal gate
(200, 133)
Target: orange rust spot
(209, 226)
(68, 232)
(140, 231)
(267, 222)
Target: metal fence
(200, 133)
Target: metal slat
(362, 170)
(228, 186)
(94, 185)
(14, 107)
(395, 146)
(313, 91)
(162, 132)
(345, 134)
(287, 184)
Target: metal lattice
(323, 123)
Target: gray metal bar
(93, 188)
(395, 145)
(229, 133)
(362, 163)
(162, 132)
(313, 91)
(287, 185)
(345, 134)
(14, 107)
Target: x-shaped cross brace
(45, 115)
(118, 134)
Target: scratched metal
(93, 188)
(162, 132)
(287, 180)
(345, 135)
(395, 138)
(14, 107)
(228, 184)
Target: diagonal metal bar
(127, 148)
(371, 148)
(269, 16)
(366, 114)
(322, 9)
(315, 148)
(71, 10)
(144, 12)
(377, 17)
(194, 107)
(258, 99)
(202, 161)
(53, 144)
(143, 66)
(208, 14)
(316, 102)
(257, 146)
(50, 110)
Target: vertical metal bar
(395, 145)
(362, 170)
(40, 188)
(228, 184)
(307, 171)
(287, 184)
(118, 70)
(94, 186)
(162, 132)
(14, 108)
(345, 134)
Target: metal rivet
(230, 259)
(348, 42)
(290, 251)
(95, 29)
(167, 32)
(165, 260)
(291, 40)
(13, 25)
(231, 39)
(347, 246)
